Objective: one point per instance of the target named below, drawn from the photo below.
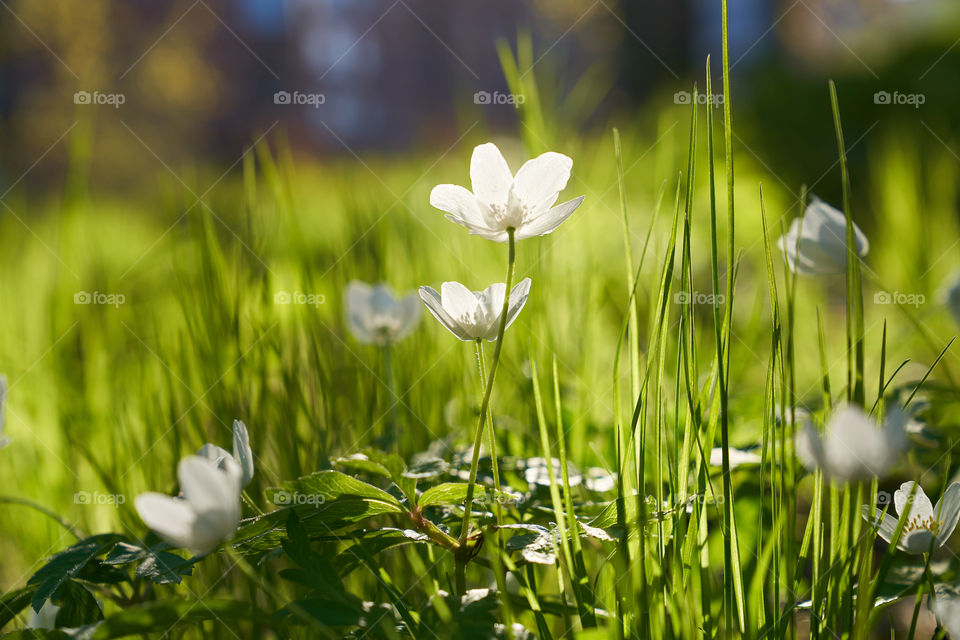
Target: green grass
(603, 368)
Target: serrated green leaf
(164, 567)
(14, 602)
(372, 543)
(326, 486)
(77, 605)
(67, 564)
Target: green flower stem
(463, 554)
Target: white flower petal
(205, 487)
(171, 518)
(948, 512)
(547, 221)
(816, 243)
(408, 310)
(919, 505)
(829, 226)
(242, 452)
(432, 299)
(916, 542)
(461, 205)
(213, 453)
(359, 312)
(460, 303)
(491, 306)
(886, 524)
(518, 298)
(540, 181)
(490, 175)
(809, 446)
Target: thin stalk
(463, 554)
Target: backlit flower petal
(490, 175)
(540, 180)
(171, 518)
(948, 512)
(518, 298)
(432, 299)
(545, 222)
(912, 503)
(242, 452)
(461, 205)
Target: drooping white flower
(474, 315)
(500, 200)
(208, 512)
(924, 524)
(376, 316)
(816, 243)
(737, 457)
(242, 454)
(4, 440)
(853, 446)
(946, 607)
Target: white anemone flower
(474, 315)
(925, 526)
(242, 453)
(376, 316)
(946, 606)
(501, 200)
(816, 243)
(206, 515)
(853, 446)
(738, 457)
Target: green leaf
(67, 564)
(323, 486)
(374, 542)
(14, 602)
(36, 634)
(164, 567)
(77, 605)
(446, 493)
(161, 616)
(333, 613)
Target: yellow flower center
(917, 524)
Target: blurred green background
(200, 197)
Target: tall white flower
(474, 315)
(242, 454)
(501, 200)
(853, 446)
(208, 512)
(924, 524)
(816, 243)
(376, 316)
